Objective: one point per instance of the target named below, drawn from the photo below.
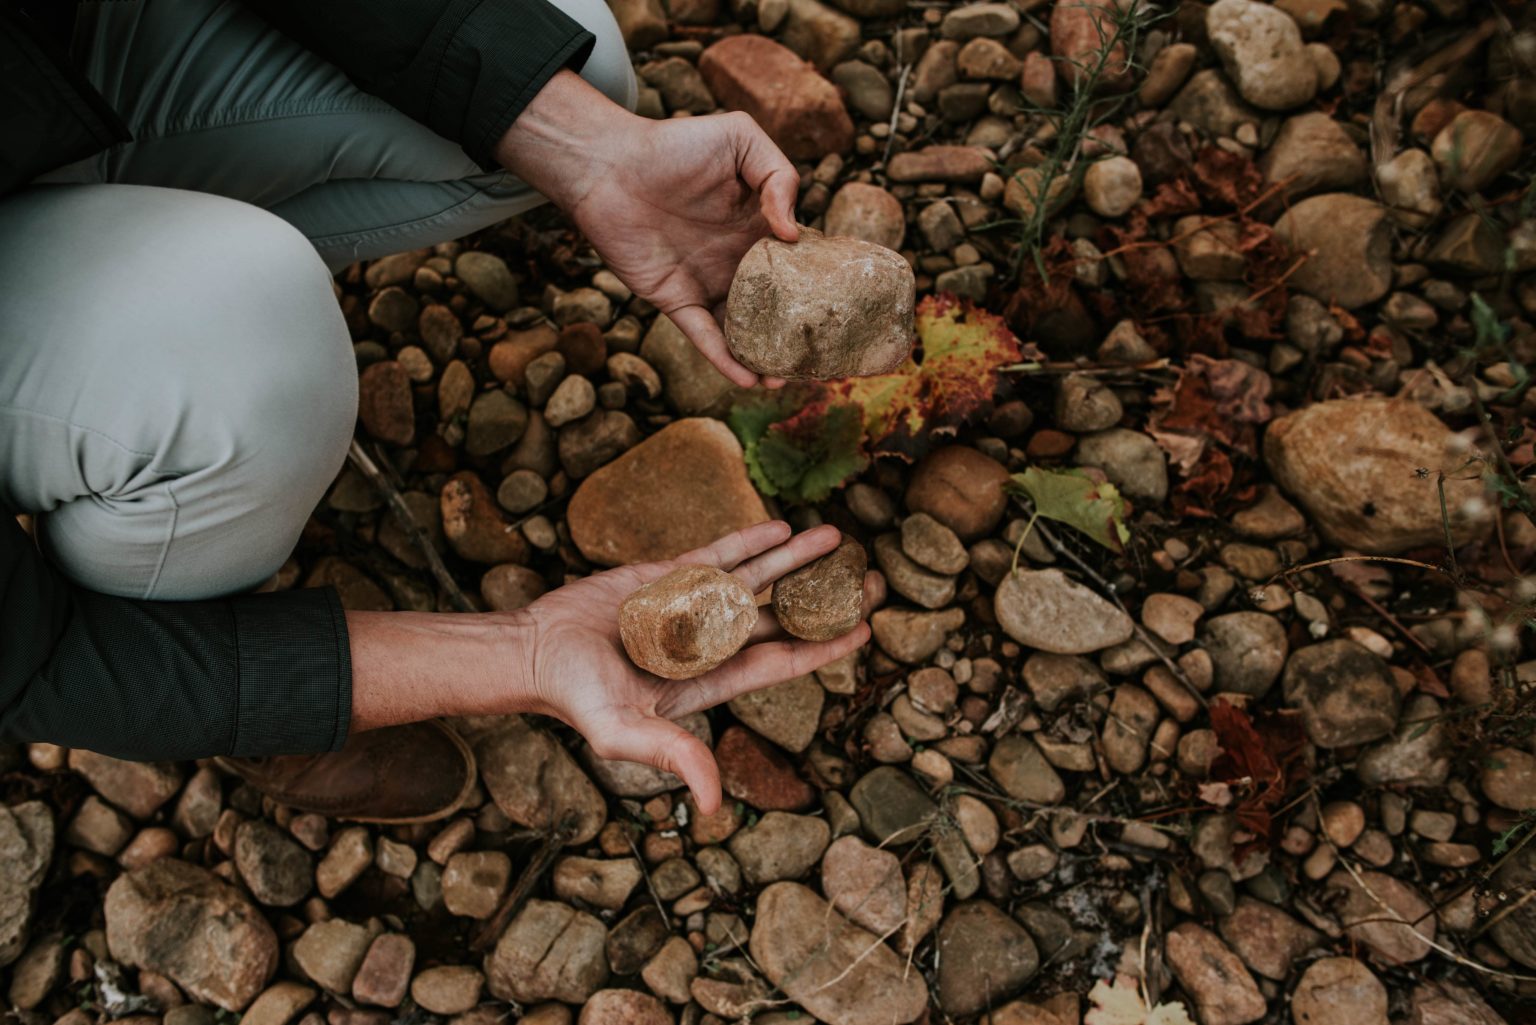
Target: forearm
(409, 666)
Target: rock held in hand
(820, 307)
(688, 622)
(822, 600)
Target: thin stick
(901, 88)
(491, 929)
(358, 456)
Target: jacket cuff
(294, 673)
(514, 49)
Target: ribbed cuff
(518, 48)
(294, 673)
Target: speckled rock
(688, 622)
(820, 307)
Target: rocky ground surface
(1274, 760)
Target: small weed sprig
(1120, 26)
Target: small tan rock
(822, 600)
(820, 307)
(688, 622)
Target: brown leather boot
(418, 772)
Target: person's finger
(774, 383)
(667, 746)
(758, 573)
(733, 549)
(759, 666)
(765, 168)
(706, 336)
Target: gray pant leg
(177, 385)
(218, 101)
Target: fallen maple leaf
(1260, 759)
(1092, 506)
(1122, 1003)
(799, 446)
(950, 378)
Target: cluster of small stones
(1016, 789)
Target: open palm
(583, 677)
(676, 215)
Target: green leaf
(798, 447)
(1076, 499)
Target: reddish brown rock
(800, 110)
(510, 357)
(1079, 29)
(961, 488)
(820, 308)
(384, 403)
(682, 488)
(688, 622)
(474, 524)
(958, 165)
(386, 971)
(754, 771)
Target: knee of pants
(609, 68)
(241, 400)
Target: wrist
(411, 666)
(567, 139)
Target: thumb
(667, 746)
(765, 168)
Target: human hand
(579, 673)
(671, 206)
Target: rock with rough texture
(831, 967)
(1345, 692)
(447, 989)
(1130, 459)
(1509, 778)
(1267, 939)
(780, 846)
(474, 524)
(329, 953)
(800, 110)
(1315, 154)
(1047, 610)
(910, 636)
(1223, 991)
(535, 781)
(754, 771)
(823, 599)
(786, 713)
(139, 788)
(1475, 149)
(688, 622)
(1339, 991)
(892, 808)
(867, 212)
(628, 511)
(1113, 185)
(1079, 31)
(384, 403)
(1515, 928)
(26, 846)
(917, 584)
(1354, 465)
(1261, 49)
(820, 307)
(961, 488)
(1349, 242)
(693, 386)
(550, 951)
(1248, 650)
(984, 957)
(273, 865)
(1383, 913)
(623, 1007)
(865, 884)
(185, 923)
(1020, 769)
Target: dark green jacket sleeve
(252, 675)
(463, 68)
